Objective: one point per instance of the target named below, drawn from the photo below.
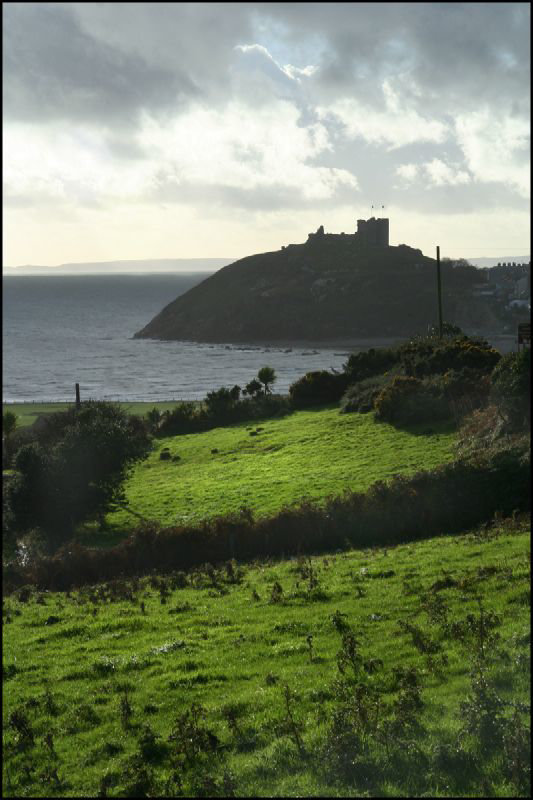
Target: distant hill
(330, 288)
(117, 267)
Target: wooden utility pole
(439, 292)
(78, 401)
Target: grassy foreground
(100, 684)
(277, 462)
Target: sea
(59, 330)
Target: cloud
(496, 148)
(245, 150)
(53, 70)
(291, 72)
(441, 174)
(408, 172)
(433, 173)
(194, 157)
(265, 107)
(393, 125)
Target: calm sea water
(62, 330)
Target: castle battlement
(374, 232)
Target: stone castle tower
(373, 231)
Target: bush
(361, 395)
(221, 407)
(184, 418)
(370, 363)
(77, 471)
(407, 400)
(9, 426)
(510, 382)
(465, 389)
(317, 388)
(431, 355)
(220, 402)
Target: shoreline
(504, 342)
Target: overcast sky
(182, 130)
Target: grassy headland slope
(269, 464)
(331, 287)
(99, 684)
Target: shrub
(510, 381)
(317, 388)
(9, 426)
(361, 395)
(220, 402)
(222, 407)
(183, 418)
(370, 363)
(253, 388)
(77, 473)
(407, 400)
(431, 355)
(466, 389)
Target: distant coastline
(174, 265)
(126, 267)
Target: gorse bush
(431, 355)
(426, 379)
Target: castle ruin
(370, 232)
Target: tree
(221, 400)
(153, 418)
(9, 426)
(253, 388)
(266, 376)
(76, 471)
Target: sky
(197, 130)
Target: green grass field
(27, 413)
(309, 454)
(85, 673)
